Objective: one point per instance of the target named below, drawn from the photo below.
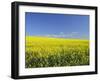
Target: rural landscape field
(55, 52)
(56, 40)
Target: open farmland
(55, 52)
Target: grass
(55, 52)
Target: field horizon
(57, 37)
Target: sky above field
(57, 25)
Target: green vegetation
(55, 52)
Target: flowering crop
(55, 52)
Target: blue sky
(57, 25)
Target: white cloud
(61, 32)
(63, 35)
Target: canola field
(55, 52)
